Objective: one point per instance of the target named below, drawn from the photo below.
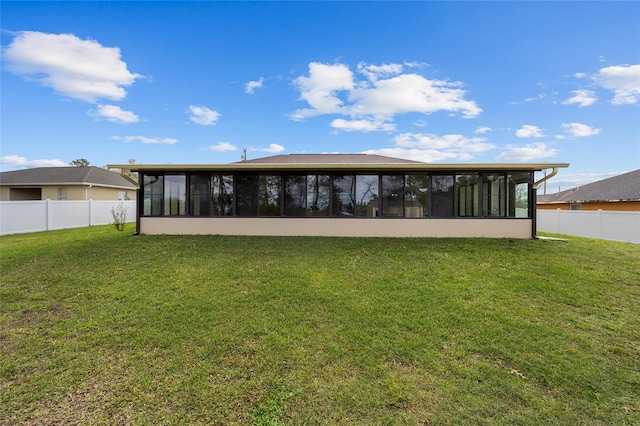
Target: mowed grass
(102, 327)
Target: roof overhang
(362, 167)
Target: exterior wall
(455, 228)
(620, 206)
(101, 193)
(74, 192)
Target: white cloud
(320, 87)
(18, 161)
(362, 125)
(273, 148)
(380, 95)
(623, 80)
(145, 140)
(529, 131)
(432, 148)
(203, 115)
(482, 129)
(453, 143)
(410, 93)
(581, 97)
(251, 86)
(374, 72)
(73, 67)
(116, 114)
(222, 147)
(527, 152)
(580, 130)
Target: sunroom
(355, 195)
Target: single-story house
(65, 183)
(617, 193)
(339, 195)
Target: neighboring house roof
(624, 187)
(328, 159)
(44, 176)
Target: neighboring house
(65, 183)
(619, 193)
(339, 195)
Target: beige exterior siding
(454, 228)
(620, 206)
(74, 192)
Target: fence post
(90, 212)
(48, 213)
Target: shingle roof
(65, 175)
(329, 159)
(624, 187)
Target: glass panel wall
(318, 195)
(416, 195)
(222, 195)
(518, 194)
(343, 194)
(175, 195)
(269, 187)
(493, 195)
(442, 196)
(473, 194)
(367, 201)
(392, 200)
(467, 195)
(153, 188)
(247, 195)
(295, 195)
(200, 194)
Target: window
(222, 195)
(575, 206)
(295, 195)
(442, 195)
(493, 195)
(467, 195)
(200, 202)
(122, 195)
(519, 194)
(392, 199)
(367, 204)
(318, 195)
(269, 195)
(343, 193)
(62, 193)
(416, 195)
(247, 195)
(152, 193)
(175, 195)
(210, 195)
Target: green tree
(80, 162)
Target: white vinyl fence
(17, 217)
(605, 225)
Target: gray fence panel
(17, 217)
(606, 225)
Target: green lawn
(102, 327)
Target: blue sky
(446, 82)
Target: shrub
(119, 214)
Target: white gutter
(547, 177)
